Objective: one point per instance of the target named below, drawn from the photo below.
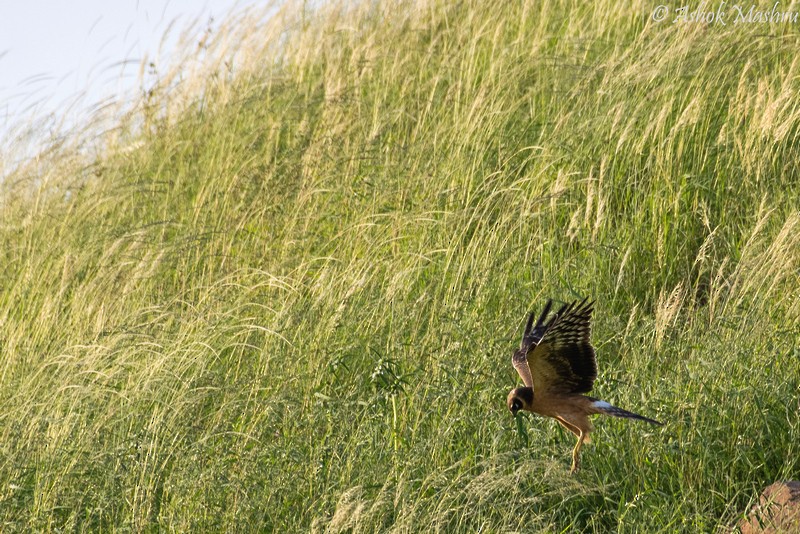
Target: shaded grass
(290, 304)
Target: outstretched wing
(562, 360)
(530, 338)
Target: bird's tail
(609, 409)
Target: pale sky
(53, 50)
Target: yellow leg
(572, 428)
(576, 461)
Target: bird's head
(520, 399)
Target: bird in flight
(557, 364)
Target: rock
(777, 511)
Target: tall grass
(282, 294)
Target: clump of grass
(283, 296)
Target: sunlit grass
(284, 296)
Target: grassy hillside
(289, 300)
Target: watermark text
(725, 12)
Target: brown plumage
(557, 363)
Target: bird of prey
(557, 363)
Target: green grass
(285, 296)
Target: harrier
(557, 363)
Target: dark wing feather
(530, 338)
(533, 335)
(563, 359)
